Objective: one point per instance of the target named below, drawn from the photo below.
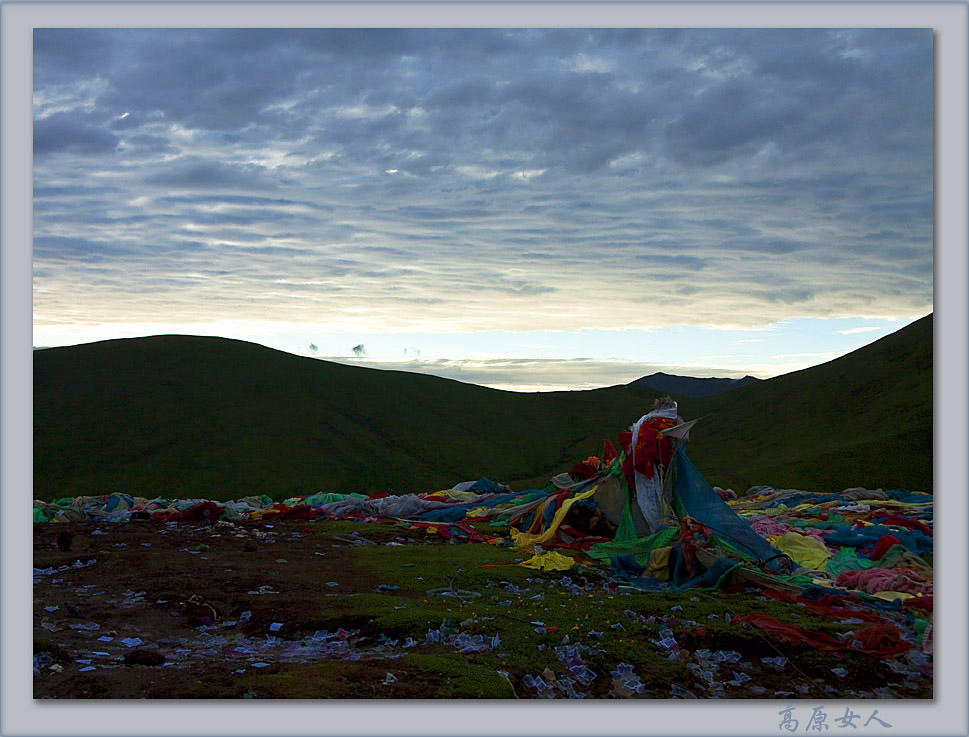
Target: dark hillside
(864, 419)
(181, 416)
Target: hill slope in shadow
(181, 416)
(187, 417)
(864, 419)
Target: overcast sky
(518, 208)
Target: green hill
(864, 419)
(182, 416)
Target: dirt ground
(253, 610)
(160, 585)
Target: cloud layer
(461, 180)
(536, 374)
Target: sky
(523, 209)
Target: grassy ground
(314, 577)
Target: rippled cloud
(462, 180)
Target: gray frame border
(24, 716)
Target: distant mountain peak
(691, 386)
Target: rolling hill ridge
(690, 386)
(864, 419)
(188, 417)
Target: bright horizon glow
(539, 361)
